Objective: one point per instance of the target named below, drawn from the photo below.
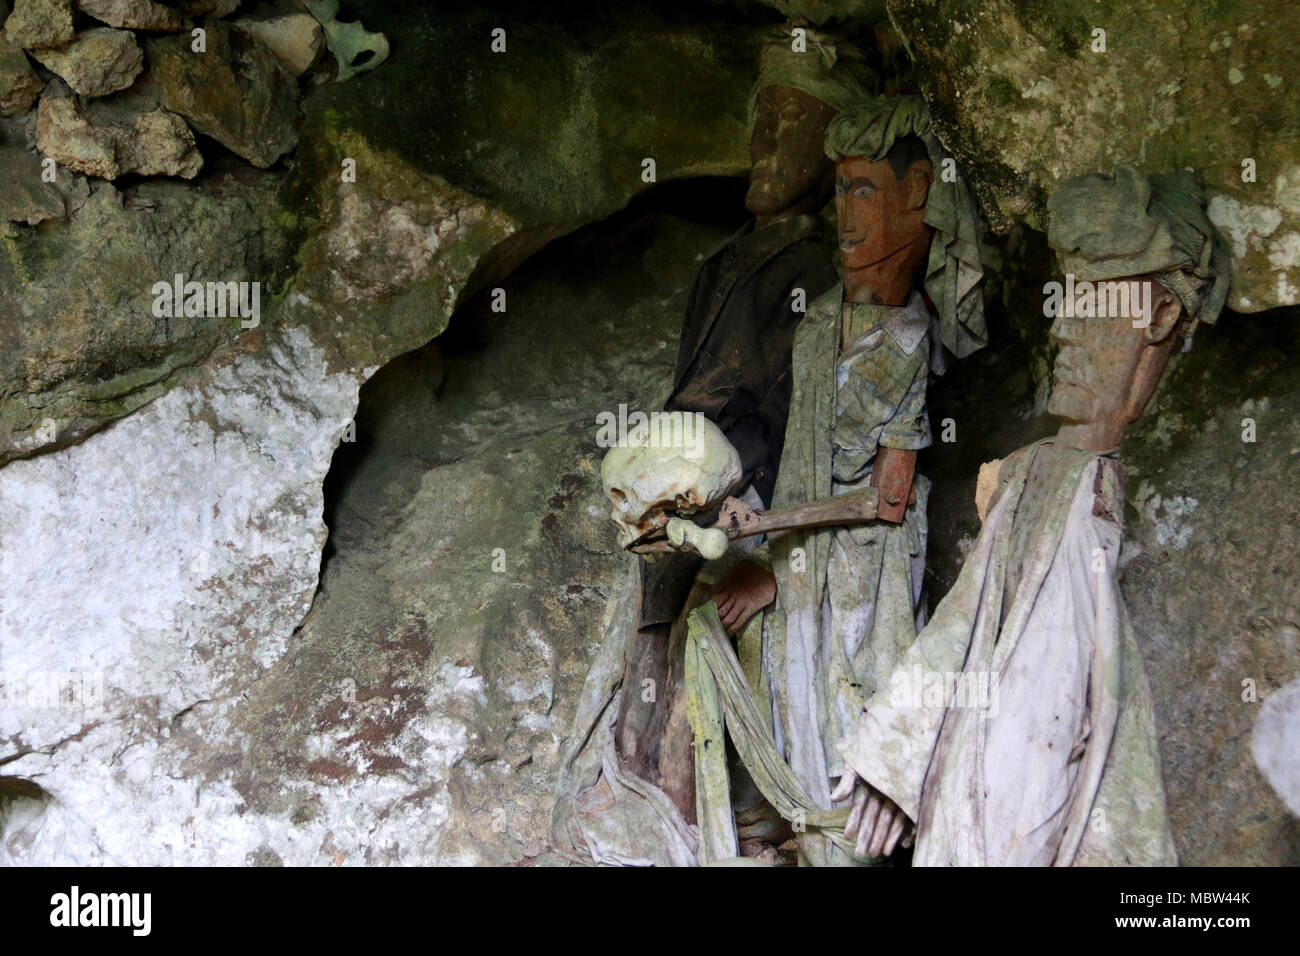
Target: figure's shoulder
(987, 486)
(805, 265)
(996, 476)
(829, 302)
(809, 253)
(1018, 456)
(709, 275)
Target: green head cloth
(829, 67)
(1131, 224)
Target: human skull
(660, 470)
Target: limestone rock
(236, 92)
(79, 343)
(64, 134)
(296, 39)
(154, 142)
(40, 23)
(217, 477)
(19, 84)
(568, 147)
(159, 143)
(134, 14)
(97, 62)
(397, 237)
(1026, 95)
(208, 8)
(473, 196)
(435, 739)
(819, 11)
(1275, 743)
(24, 197)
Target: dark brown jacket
(733, 363)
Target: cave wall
(1210, 554)
(415, 716)
(161, 509)
(461, 155)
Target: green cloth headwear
(1130, 224)
(870, 129)
(954, 274)
(831, 68)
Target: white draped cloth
(1018, 728)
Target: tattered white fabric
(1051, 759)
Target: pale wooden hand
(876, 821)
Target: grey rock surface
(40, 23)
(24, 196)
(135, 14)
(97, 62)
(236, 92)
(19, 84)
(1027, 95)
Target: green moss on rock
(1023, 101)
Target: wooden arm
(739, 520)
(892, 475)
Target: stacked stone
(122, 86)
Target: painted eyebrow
(859, 180)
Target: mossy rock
(79, 343)
(1024, 98)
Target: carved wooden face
(785, 149)
(879, 214)
(1106, 370)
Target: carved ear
(920, 177)
(1154, 356)
(1167, 310)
